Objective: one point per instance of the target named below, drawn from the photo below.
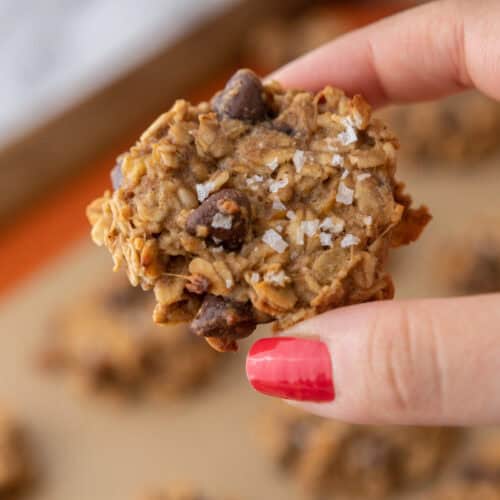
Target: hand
(400, 362)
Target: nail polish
(291, 368)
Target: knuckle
(403, 368)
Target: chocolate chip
(116, 175)
(283, 127)
(242, 98)
(222, 317)
(223, 217)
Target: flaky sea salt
(335, 226)
(275, 241)
(298, 160)
(229, 283)
(255, 277)
(273, 164)
(275, 186)
(368, 220)
(222, 221)
(349, 135)
(255, 179)
(362, 177)
(217, 249)
(325, 239)
(344, 195)
(310, 227)
(278, 205)
(349, 240)
(203, 190)
(345, 174)
(337, 160)
(276, 277)
(290, 215)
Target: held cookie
(477, 477)
(471, 264)
(330, 459)
(263, 205)
(107, 343)
(460, 128)
(178, 492)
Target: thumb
(411, 362)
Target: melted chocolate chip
(223, 317)
(224, 217)
(242, 98)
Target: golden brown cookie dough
(332, 459)
(459, 128)
(16, 470)
(471, 264)
(477, 477)
(107, 342)
(264, 205)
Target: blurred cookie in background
(332, 459)
(16, 467)
(107, 342)
(276, 41)
(470, 263)
(477, 477)
(180, 493)
(459, 129)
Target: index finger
(422, 53)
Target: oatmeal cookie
(179, 493)
(108, 342)
(332, 459)
(478, 478)
(472, 265)
(279, 40)
(263, 205)
(457, 129)
(16, 469)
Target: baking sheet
(93, 448)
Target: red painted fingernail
(291, 368)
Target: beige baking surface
(94, 449)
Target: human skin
(434, 361)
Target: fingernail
(291, 368)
